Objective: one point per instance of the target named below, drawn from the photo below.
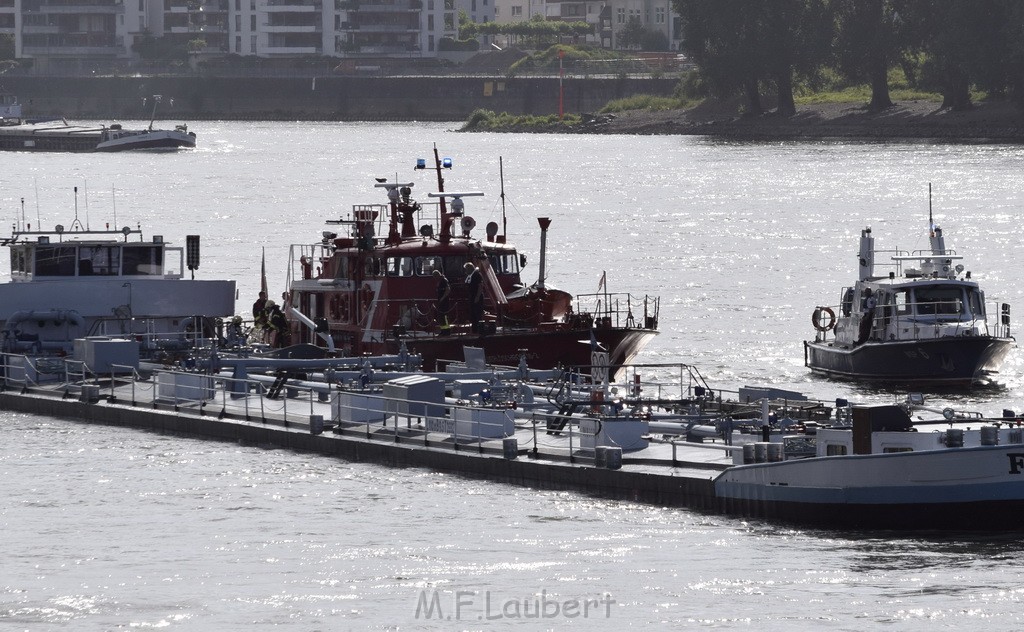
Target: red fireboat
(360, 293)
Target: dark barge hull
(944, 361)
(10, 141)
(695, 492)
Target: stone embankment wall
(322, 98)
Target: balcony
(282, 28)
(75, 51)
(293, 50)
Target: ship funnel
(867, 254)
(544, 223)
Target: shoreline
(989, 121)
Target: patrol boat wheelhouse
(358, 293)
(923, 322)
(73, 283)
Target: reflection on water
(108, 528)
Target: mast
(501, 177)
(446, 220)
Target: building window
(430, 43)
(238, 44)
(620, 15)
(252, 44)
(142, 6)
(430, 22)
(517, 11)
(252, 23)
(659, 15)
(472, 6)
(238, 5)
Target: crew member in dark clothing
(278, 324)
(444, 302)
(475, 283)
(868, 316)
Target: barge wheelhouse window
(19, 260)
(55, 260)
(99, 261)
(143, 260)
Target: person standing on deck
(868, 317)
(444, 304)
(475, 283)
(259, 316)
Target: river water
(108, 528)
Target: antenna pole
(930, 206)
(39, 221)
(113, 202)
(501, 176)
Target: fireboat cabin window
(143, 260)
(425, 266)
(939, 301)
(99, 261)
(505, 263)
(398, 266)
(56, 260)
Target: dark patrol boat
(922, 322)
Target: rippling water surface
(109, 528)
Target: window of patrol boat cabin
(977, 303)
(942, 301)
(902, 302)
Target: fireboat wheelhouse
(359, 293)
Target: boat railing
(620, 310)
(931, 319)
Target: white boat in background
(920, 320)
(73, 283)
(10, 109)
(56, 134)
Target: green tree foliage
(869, 39)
(537, 33)
(952, 47)
(160, 48)
(744, 44)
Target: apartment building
(80, 31)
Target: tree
(750, 42)
(630, 35)
(963, 41)
(721, 38)
(869, 38)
